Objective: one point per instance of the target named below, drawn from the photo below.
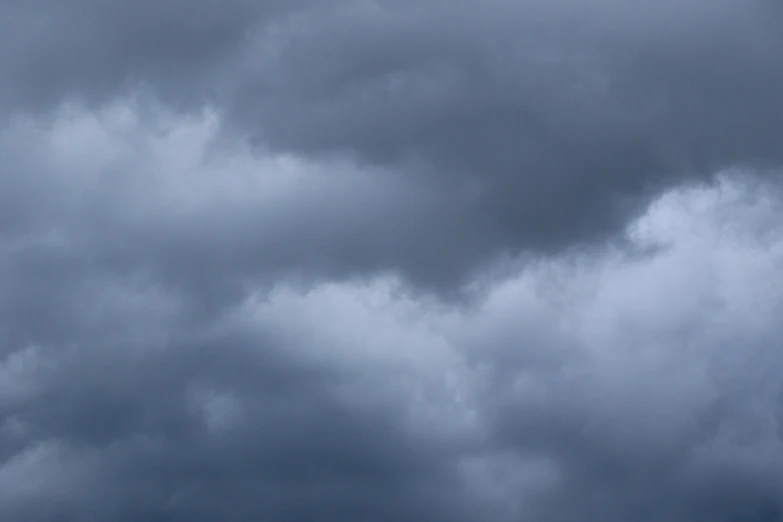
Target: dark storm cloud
(133, 383)
(646, 405)
(546, 124)
(603, 386)
(194, 328)
(536, 125)
(121, 435)
(92, 50)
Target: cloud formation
(348, 260)
(536, 125)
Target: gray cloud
(221, 226)
(511, 113)
(149, 374)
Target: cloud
(535, 125)
(652, 384)
(167, 357)
(354, 260)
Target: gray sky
(391, 261)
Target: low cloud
(533, 126)
(151, 372)
(391, 261)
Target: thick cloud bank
(391, 261)
(524, 125)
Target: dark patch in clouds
(231, 234)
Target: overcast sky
(391, 260)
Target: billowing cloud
(537, 124)
(162, 361)
(391, 261)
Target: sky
(391, 260)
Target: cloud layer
(391, 261)
(532, 126)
